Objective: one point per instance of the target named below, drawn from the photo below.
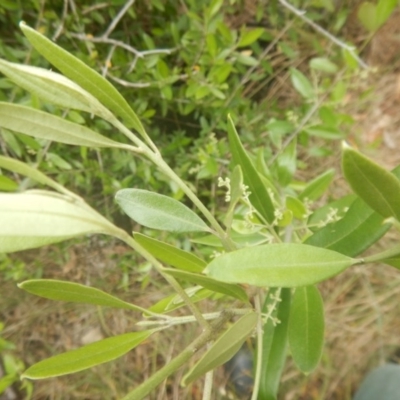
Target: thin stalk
(395, 251)
(157, 159)
(257, 375)
(208, 384)
(146, 387)
(171, 280)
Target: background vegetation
(183, 66)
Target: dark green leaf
(224, 348)
(274, 346)
(86, 357)
(259, 196)
(306, 328)
(209, 283)
(171, 255)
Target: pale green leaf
(379, 188)
(86, 357)
(74, 292)
(224, 348)
(84, 76)
(157, 211)
(53, 88)
(209, 283)
(171, 255)
(259, 196)
(42, 125)
(323, 64)
(302, 84)
(274, 345)
(33, 219)
(306, 328)
(280, 265)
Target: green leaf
(74, 292)
(379, 188)
(53, 88)
(285, 164)
(30, 172)
(175, 301)
(302, 84)
(84, 76)
(296, 207)
(384, 9)
(318, 186)
(224, 348)
(42, 125)
(158, 211)
(306, 328)
(86, 357)
(7, 184)
(323, 64)
(325, 132)
(249, 36)
(171, 255)
(280, 265)
(359, 228)
(274, 346)
(259, 196)
(209, 283)
(34, 219)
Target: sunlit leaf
(209, 283)
(158, 211)
(280, 265)
(53, 88)
(43, 125)
(302, 84)
(7, 184)
(171, 255)
(87, 356)
(224, 348)
(379, 188)
(34, 219)
(74, 292)
(247, 37)
(306, 328)
(84, 76)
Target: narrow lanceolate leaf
(359, 228)
(159, 212)
(224, 348)
(34, 219)
(306, 328)
(379, 188)
(171, 255)
(209, 283)
(53, 88)
(259, 196)
(318, 186)
(74, 292)
(86, 357)
(84, 76)
(279, 265)
(24, 169)
(42, 125)
(274, 346)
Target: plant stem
(257, 375)
(171, 280)
(208, 384)
(395, 251)
(146, 387)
